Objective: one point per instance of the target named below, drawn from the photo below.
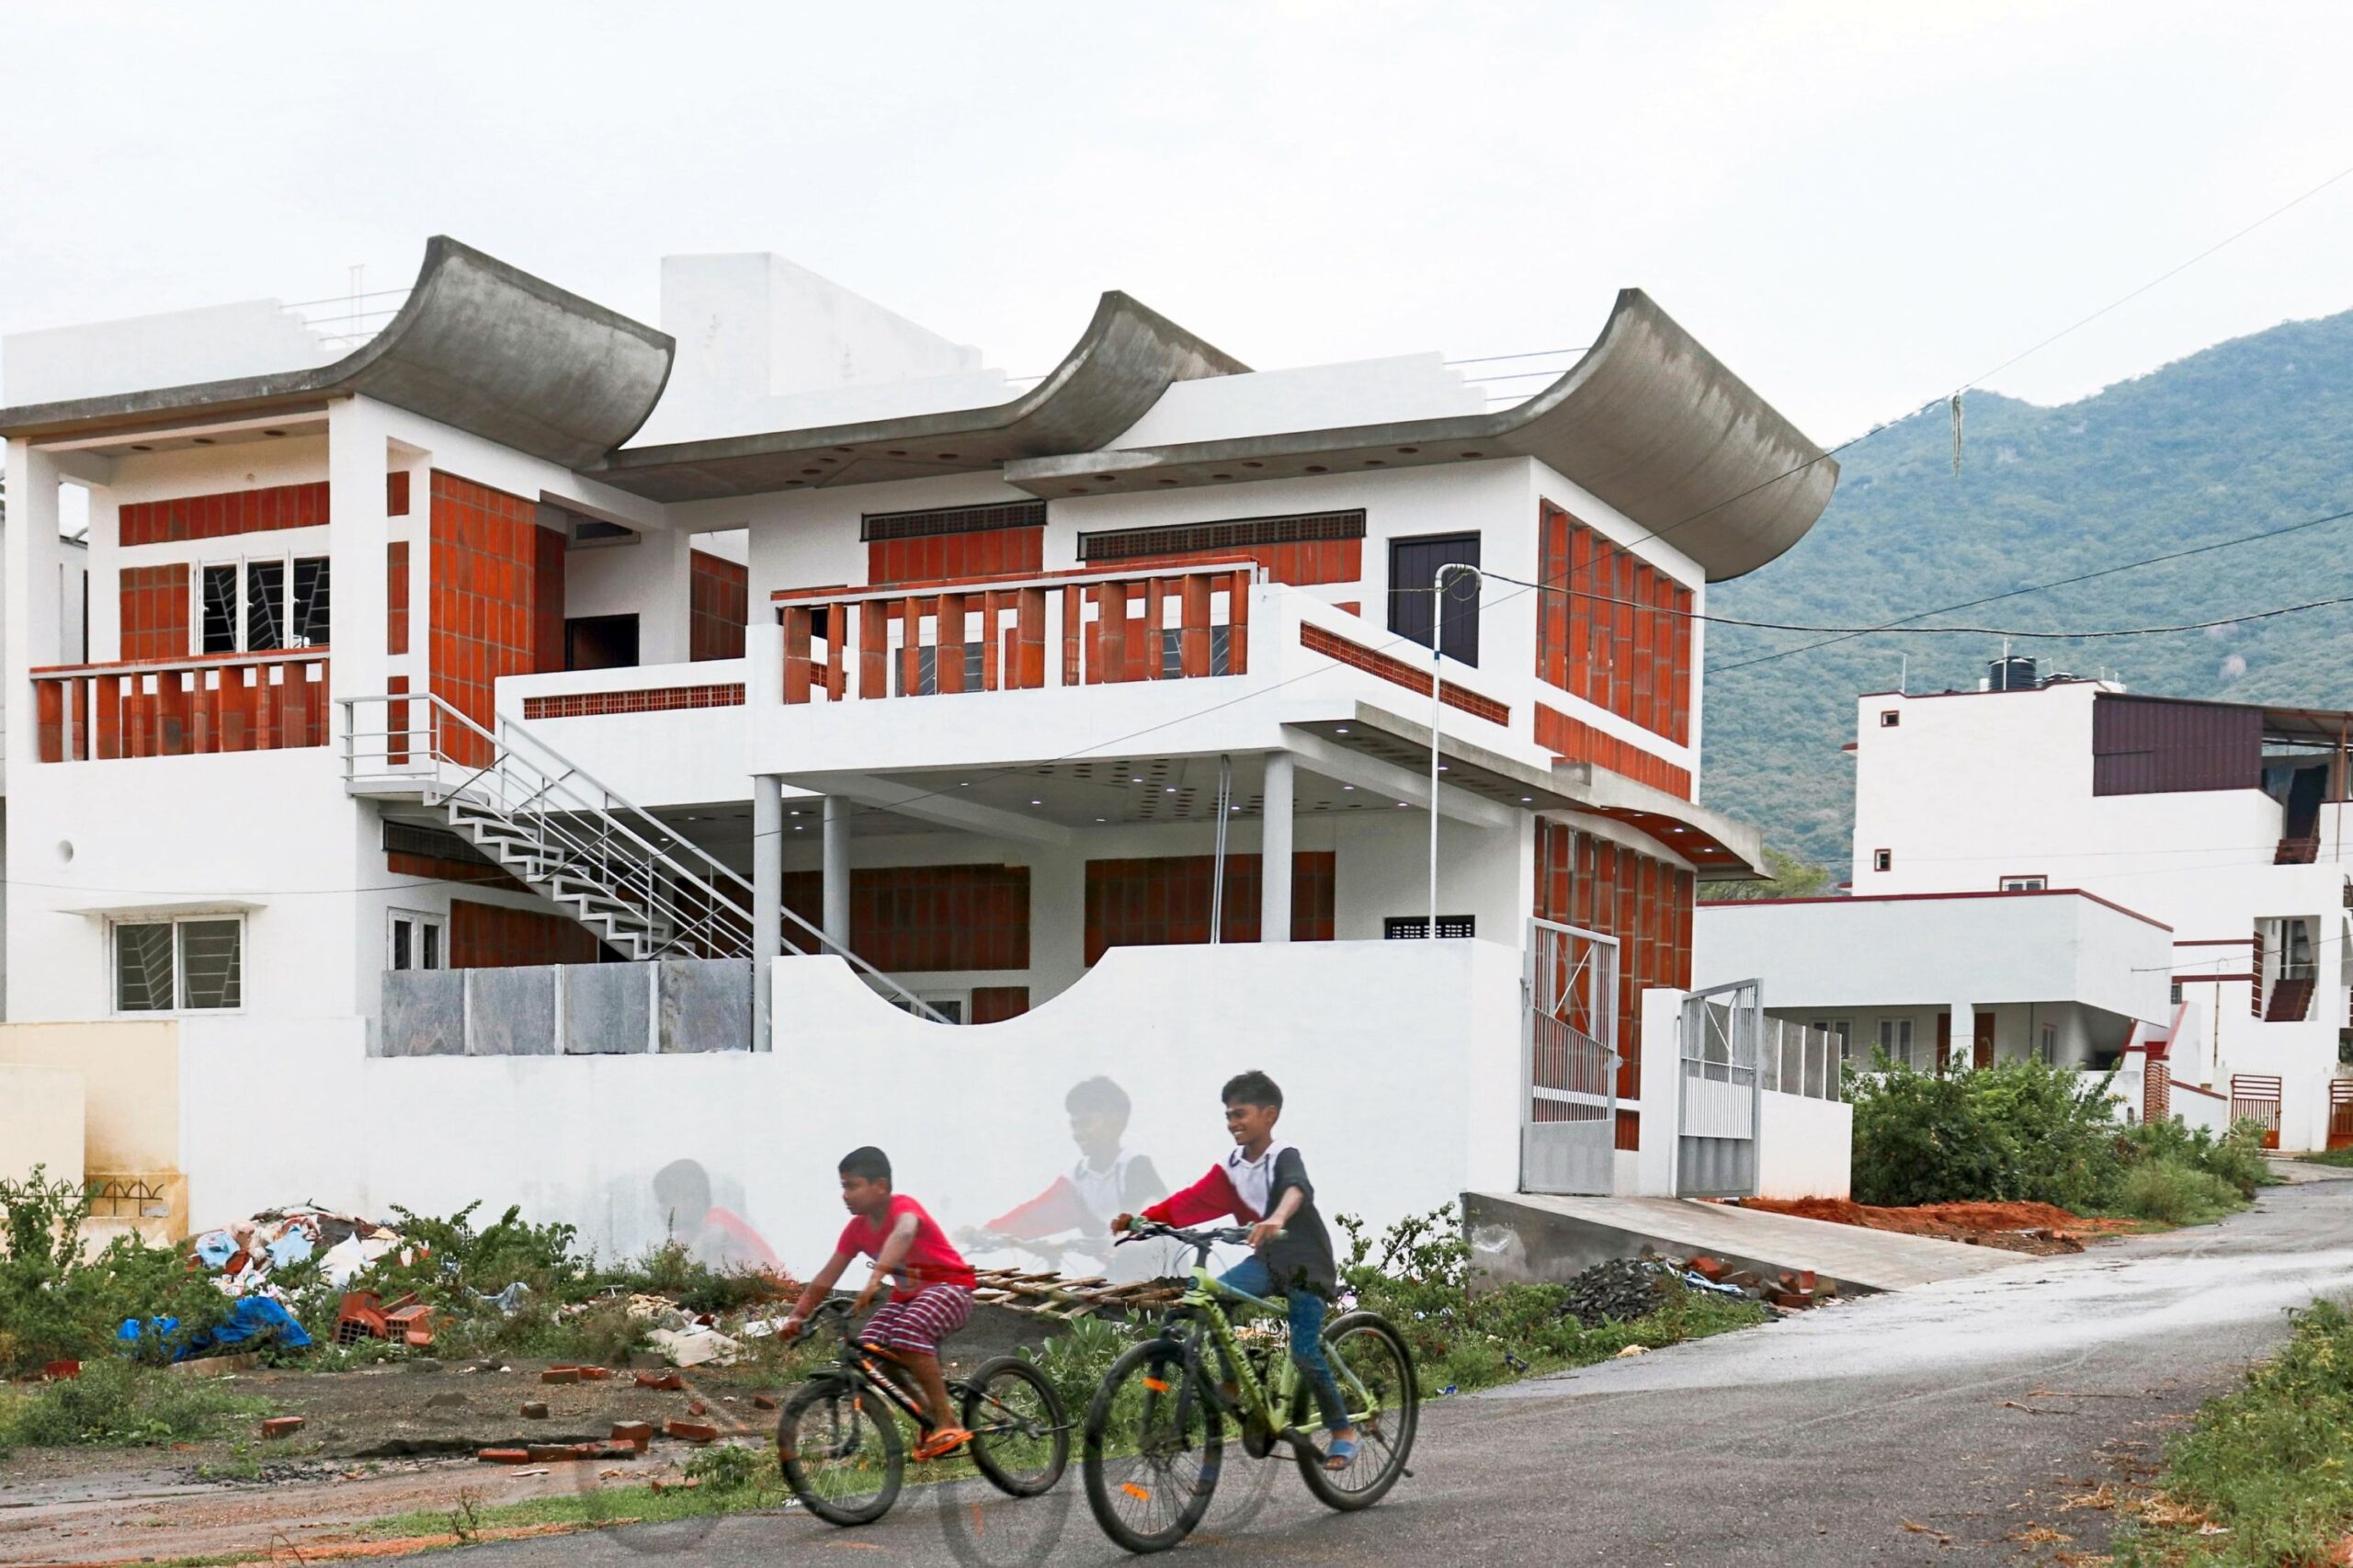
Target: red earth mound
(2021, 1227)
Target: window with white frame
(260, 604)
(193, 964)
(1843, 1029)
(415, 940)
(2046, 1044)
(1896, 1040)
(1889, 718)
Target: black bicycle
(839, 1444)
(1155, 1431)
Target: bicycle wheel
(1154, 1445)
(839, 1447)
(1020, 1434)
(1375, 1375)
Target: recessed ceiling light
(1037, 803)
(1169, 790)
(1136, 780)
(1445, 767)
(963, 783)
(273, 432)
(1102, 818)
(1525, 799)
(202, 440)
(1342, 729)
(140, 446)
(800, 827)
(1348, 786)
(1401, 805)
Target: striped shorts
(918, 1324)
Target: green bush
(2176, 1194)
(57, 1304)
(2016, 1132)
(117, 1403)
(2237, 1157)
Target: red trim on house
(1397, 672)
(2178, 1085)
(2209, 979)
(223, 514)
(2214, 942)
(1574, 739)
(1905, 897)
(1115, 573)
(650, 699)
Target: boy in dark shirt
(932, 1297)
(1263, 1184)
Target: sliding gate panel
(1568, 1117)
(1715, 1146)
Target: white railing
(574, 827)
(1799, 1060)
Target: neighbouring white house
(445, 763)
(2061, 866)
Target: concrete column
(1275, 851)
(836, 873)
(32, 583)
(358, 458)
(663, 564)
(1960, 1050)
(768, 901)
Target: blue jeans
(1250, 1277)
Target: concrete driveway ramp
(1538, 1238)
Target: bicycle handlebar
(1200, 1241)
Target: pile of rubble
(1629, 1288)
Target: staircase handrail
(714, 871)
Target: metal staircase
(614, 868)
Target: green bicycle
(1155, 1431)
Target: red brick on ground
(637, 1434)
(503, 1456)
(690, 1431)
(281, 1426)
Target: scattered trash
(1634, 1350)
(363, 1314)
(696, 1346)
(253, 1320)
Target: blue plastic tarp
(252, 1321)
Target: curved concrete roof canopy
(1126, 359)
(478, 345)
(1647, 419)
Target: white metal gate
(1715, 1146)
(1568, 1121)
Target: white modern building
(2063, 866)
(426, 709)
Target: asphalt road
(1949, 1424)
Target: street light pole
(1438, 711)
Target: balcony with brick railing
(1023, 634)
(199, 705)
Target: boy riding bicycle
(1263, 1184)
(932, 1299)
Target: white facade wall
(1399, 1064)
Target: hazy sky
(1856, 206)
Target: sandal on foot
(1341, 1454)
(942, 1443)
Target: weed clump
(117, 1403)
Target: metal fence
(1795, 1059)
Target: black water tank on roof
(2010, 674)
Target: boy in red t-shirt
(931, 1300)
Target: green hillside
(2249, 435)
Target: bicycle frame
(1205, 1303)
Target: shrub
(57, 1304)
(2237, 1157)
(727, 1468)
(2175, 1194)
(2018, 1131)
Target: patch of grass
(2269, 1468)
(2176, 1195)
(2340, 1158)
(600, 1508)
(117, 1404)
